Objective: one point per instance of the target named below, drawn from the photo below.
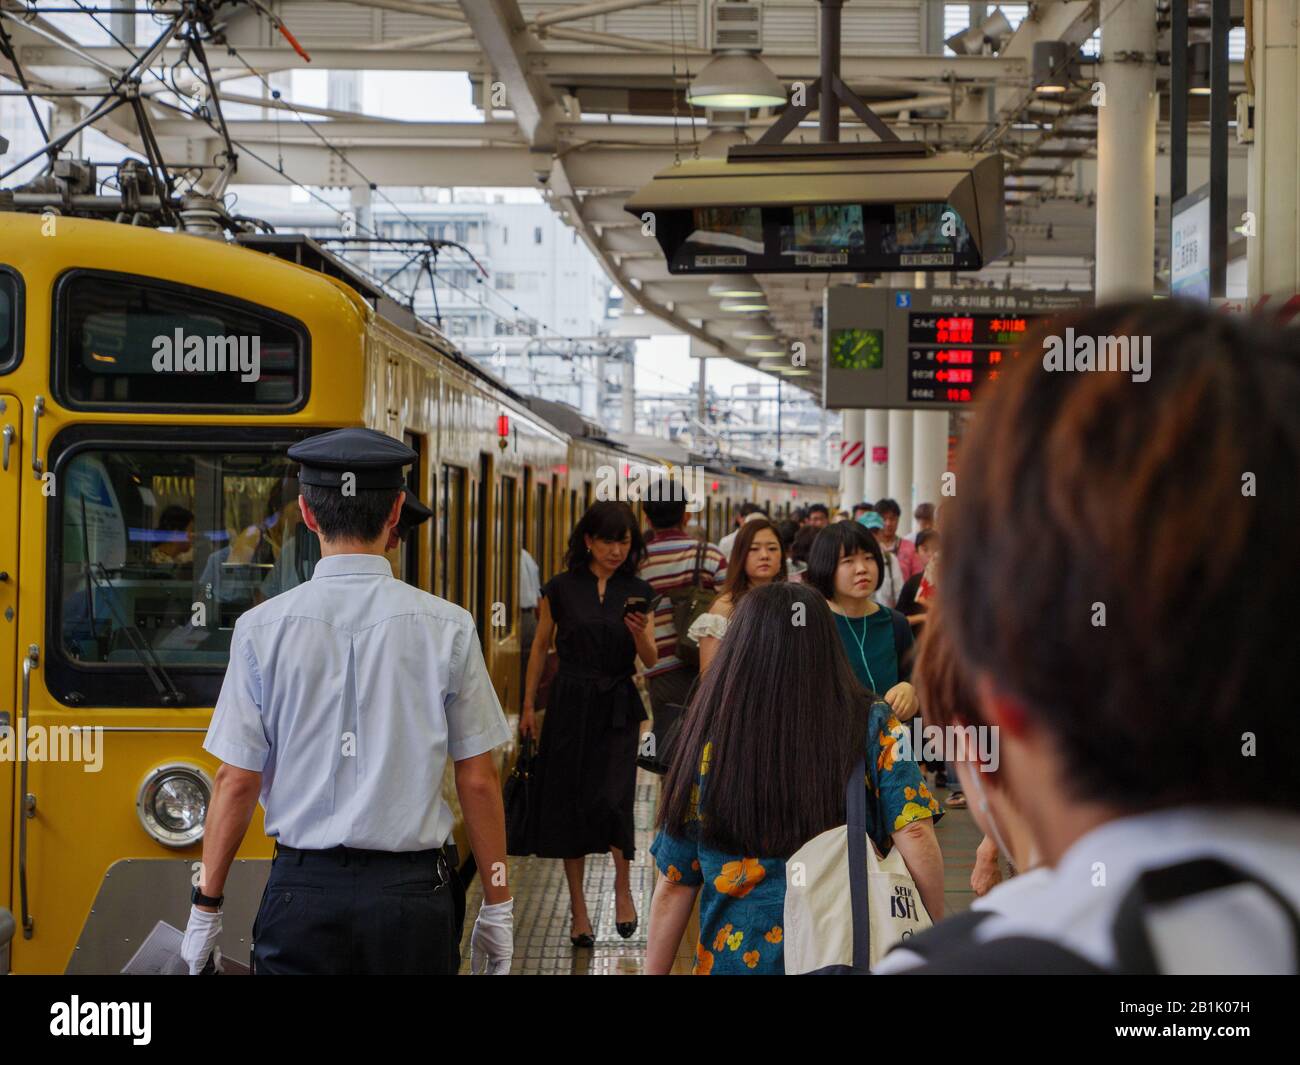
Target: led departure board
(929, 349)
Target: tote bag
(845, 906)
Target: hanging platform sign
(926, 349)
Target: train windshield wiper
(168, 693)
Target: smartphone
(635, 604)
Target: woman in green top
(845, 565)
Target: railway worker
(342, 703)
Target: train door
(482, 533)
(408, 550)
(10, 477)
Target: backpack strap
(1014, 955)
(699, 564)
(1171, 883)
(855, 806)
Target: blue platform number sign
(902, 299)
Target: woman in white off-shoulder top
(757, 558)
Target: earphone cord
(862, 654)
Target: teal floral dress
(742, 900)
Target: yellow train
(146, 501)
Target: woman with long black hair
(776, 728)
(598, 612)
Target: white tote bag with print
(845, 906)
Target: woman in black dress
(587, 764)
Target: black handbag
(656, 751)
(520, 802)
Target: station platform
(542, 944)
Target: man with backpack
(685, 572)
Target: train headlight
(173, 804)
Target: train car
(150, 384)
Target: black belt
(443, 858)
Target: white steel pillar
(1273, 195)
(875, 482)
(851, 458)
(1126, 151)
(900, 461)
(929, 460)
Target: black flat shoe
(583, 939)
(627, 929)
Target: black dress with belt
(587, 770)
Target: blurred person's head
(787, 530)
(845, 563)
(747, 509)
(606, 537)
(927, 544)
(757, 557)
(819, 516)
(803, 542)
(889, 512)
(924, 515)
(861, 508)
(176, 523)
(784, 719)
(665, 503)
(951, 703)
(1128, 680)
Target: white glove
(201, 934)
(492, 943)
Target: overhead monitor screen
(727, 236)
(816, 238)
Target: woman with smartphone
(599, 613)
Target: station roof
(585, 100)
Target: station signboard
(925, 349)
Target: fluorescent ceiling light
(736, 285)
(766, 349)
(743, 304)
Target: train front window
(10, 316)
(129, 342)
(162, 551)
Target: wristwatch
(197, 898)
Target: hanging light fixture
(735, 285)
(743, 304)
(736, 80)
(735, 77)
(1051, 72)
(1198, 68)
(993, 31)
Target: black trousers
(355, 912)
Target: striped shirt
(670, 564)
